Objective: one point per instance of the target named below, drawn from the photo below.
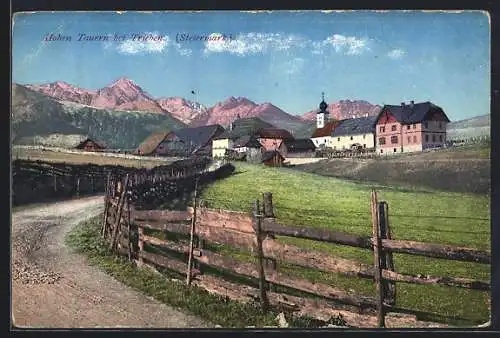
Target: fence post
(269, 212)
(268, 204)
(191, 243)
(106, 206)
(129, 235)
(200, 243)
(387, 261)
(119, 210)
(260, 256)
(77, 183)
(376, 260)
(55, 182)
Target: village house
(272, 138)
(354, 134)
(297, 148)
(163, 143)
(247, 143)
(90, 145)
(239, 128)
(410, 127)
(181, 143)
(198, 140)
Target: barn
(90, 145)
(198, 140)
(297, 148)
(162, 143)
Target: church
(322, 136)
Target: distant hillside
(35, 114)
(478, 126)
(306, 130)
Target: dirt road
(53, 287)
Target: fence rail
(255, 234)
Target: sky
(287, 58)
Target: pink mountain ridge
(345, 109)
(125, 94)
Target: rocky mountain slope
(225, 112)
(346, 109)
(122, 94)
(184, 110)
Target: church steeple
(322, 114)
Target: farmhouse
(410, 127)
(90, 145)
(297, 148)
(358, 133)
(198, 140)
(237, 129)
(272, 138)
(162, 143)
(245, 143)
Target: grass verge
(85, 239)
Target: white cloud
(396, 54)
(254, 43)
(131, 46)
(349, 45)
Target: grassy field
(460, 169)
(415, 214)
(85, 158)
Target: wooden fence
(34, 180)
(136, 234)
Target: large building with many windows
(410, 127)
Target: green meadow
(417, 214)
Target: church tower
(322, 115)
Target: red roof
(326, 130)
(273, 133)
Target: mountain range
(122, 114)
(125, 95)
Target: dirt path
(53, 287)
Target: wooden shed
(90, 145)
(272, 158)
